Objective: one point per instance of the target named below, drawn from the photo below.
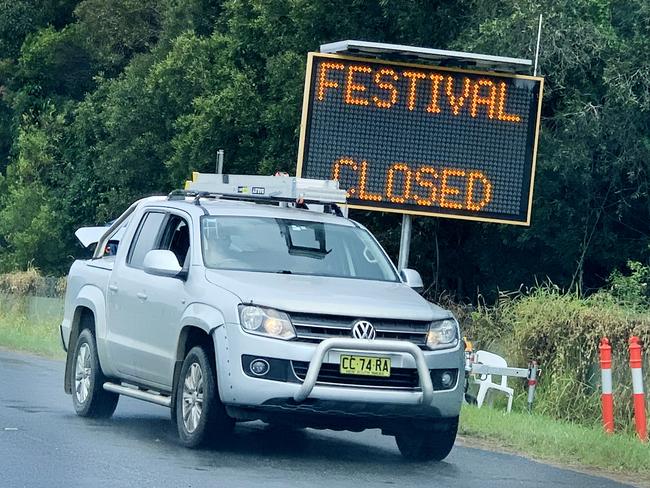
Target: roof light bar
(280, 188)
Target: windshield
(293, 247)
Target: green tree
(18, 18)
(125, 98)
(31, 215)
(54, 64)
(118, 29)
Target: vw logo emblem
(362, 329)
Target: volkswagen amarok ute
(228, 311)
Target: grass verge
(23, 327)
(566, 443)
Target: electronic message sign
(422, 139)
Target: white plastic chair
(485, 381)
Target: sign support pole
(219, 167)
(404, 243)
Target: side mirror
(412, 278)
(161, 262)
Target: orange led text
(449, 188)
(386, 88)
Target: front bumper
(238, 389)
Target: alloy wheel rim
(192, 397)
(82, 373)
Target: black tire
(428, 445)
(88, 395)
(210, 422)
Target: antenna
(539, 36)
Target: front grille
(316, 328)
(329, 373)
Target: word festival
(461, 94)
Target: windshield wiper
(284, 271)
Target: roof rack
(263, 189)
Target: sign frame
(304, 122)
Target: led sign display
(422, 139)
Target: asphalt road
(44, 444)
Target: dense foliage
(104, 101)
(562, 332)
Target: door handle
(113, 288)
(142, 296)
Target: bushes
(632, 291)
(31, 282)
(562, 331)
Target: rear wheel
(200, 415)
(88, 396)
(428, 445)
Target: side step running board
(162, 400)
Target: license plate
(365, 365)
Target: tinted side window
(145, 239)
(176, 238)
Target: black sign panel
(422, 139)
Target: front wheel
(428, 445)
(200, 415)
(89, 397)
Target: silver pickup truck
(228, 311)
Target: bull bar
(376, 346)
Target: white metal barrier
(529, 373)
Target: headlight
(442, 334)
(266, 322)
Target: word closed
(422, 139)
